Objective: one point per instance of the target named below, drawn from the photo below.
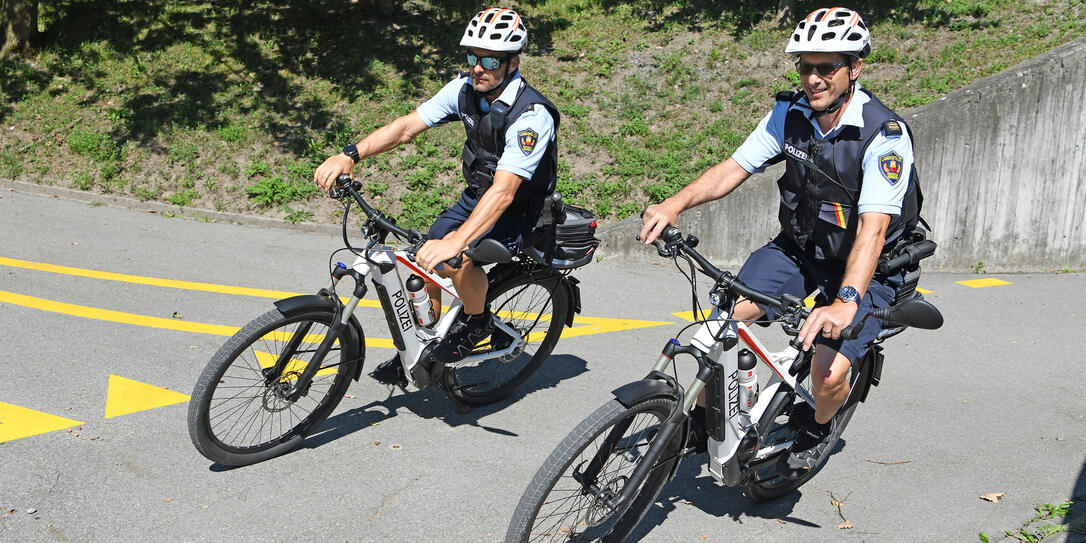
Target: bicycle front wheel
(536, 305)
(567, 498)
(766, 484)
(237, 417)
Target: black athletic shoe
(811, 445)
(465, 333)
(390, 372)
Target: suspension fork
(340, 321)
(660, 442)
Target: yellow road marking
(128, 396)
(137, 320)
(689, 315)
(986, 282)
(923, 290)
(158, 282)
(293, 367)
(19, 422)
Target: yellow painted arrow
(18, 422)
(127, 396)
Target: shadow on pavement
(690, 487)
(433, 404)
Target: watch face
(848, 294)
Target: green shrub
(274, 191)
(95, 145)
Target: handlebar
(345, 186)
(671, 241)
(912, 255)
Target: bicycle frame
(383, 265)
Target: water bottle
(420, 300)
(748, 380)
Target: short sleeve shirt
(445, 107)
(877, 194)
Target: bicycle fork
(340, 321)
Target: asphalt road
(992, 402)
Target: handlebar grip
(853, 332)
(456, 261)
(912, 255)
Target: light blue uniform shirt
(877, 193)
(446, 103)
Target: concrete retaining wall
(1002, 165)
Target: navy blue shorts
(511, 229)
(781, 267)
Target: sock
(479, 318)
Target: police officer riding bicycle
(509, 163)
(849, 191)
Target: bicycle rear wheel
(237, 418)
(536, 305)
(765, 483)
(558, 505)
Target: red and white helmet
(831, 30)
(496, 29)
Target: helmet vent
(802, 24)
(835, 22)
(818, 17)
(829, 36)
(855, 36)
(811, 32)
(514, 38)
(501, 25)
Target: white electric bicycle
(281, 375)
(600, 481)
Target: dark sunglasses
(489, 63)
(825, 69)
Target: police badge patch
(527, 139)
(890, 164)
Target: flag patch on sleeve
(527, 139)
(890, 164)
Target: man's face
(825, 77)
(484, 80)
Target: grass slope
(231, 107)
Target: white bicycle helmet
(496, 29)
(831, 30)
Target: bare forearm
(493, 203)
(870, 236)
(392, 135)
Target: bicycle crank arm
(518, 342)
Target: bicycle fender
(574, 298)
(637, 391)
(297, 304)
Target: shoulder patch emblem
(527, 139)
(890, 164)
(893, 128)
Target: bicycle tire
(554, 492)
(236, 419)
(766, 484)
(536, 304)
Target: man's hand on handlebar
(827, 321)
(654, 220)
(436, 251)
(330, 169)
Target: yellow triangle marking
(142, 320)
(981, 283)
(584, 326)
(267, 360)
(19, 422)
(127, 396)
(689, 315)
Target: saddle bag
(566, 236)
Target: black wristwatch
(848, 294)
(352, 151)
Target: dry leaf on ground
(993, 497)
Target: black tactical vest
(486, 143)
(820, 188)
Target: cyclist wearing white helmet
(509, 162)
(849, 192)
